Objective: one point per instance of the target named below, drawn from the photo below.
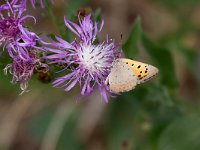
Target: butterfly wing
(121, 77)
(142, 71)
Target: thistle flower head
(89, 63)
(22, 69)
(13, 35)
(10, 14)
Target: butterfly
(125, 74)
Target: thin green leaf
(164, 61)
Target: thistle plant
(87, 60)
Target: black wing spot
(126, 62)
(145, 71)
(139, 66)
(139, 76)
(140, 71)
(132, 64)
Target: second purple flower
(88, 62)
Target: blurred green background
(162, 114)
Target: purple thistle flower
(22, 70)
(15, 38)
(9, 21)
(19, 42)
(89, 63)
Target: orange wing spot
(141, 72)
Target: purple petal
(41, 4)
(67, 45)
(71, 85)
(69, 26)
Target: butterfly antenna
(121, 38)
